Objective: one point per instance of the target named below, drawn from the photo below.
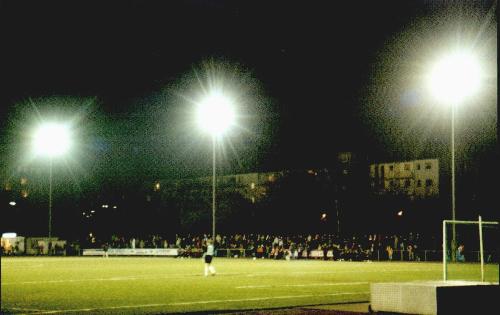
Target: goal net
(470, 250)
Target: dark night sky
(315, 62)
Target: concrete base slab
(434, 297)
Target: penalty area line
(299, 285)
(199, 302)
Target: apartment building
(416, 179)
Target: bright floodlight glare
(52, 139)
(455, 77)
(215, 113)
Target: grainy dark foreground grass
(140, 285)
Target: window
(418, 166)
(428, 165)
(391, 168)
(428, 182)
(419, 183)
(407, 167)
(407, 183)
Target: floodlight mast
(51, 140)
(213, 187)
(215, 115)
(452, 79)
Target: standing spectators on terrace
(325, 247)
(411, 255)
(105, 250)
(260, 251)
(389, 252)
(460, 253)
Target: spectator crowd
(352, 248)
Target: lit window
(252, 186)
(157, 187)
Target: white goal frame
(480, 223)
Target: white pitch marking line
(299, 285)
(103, 279)
(201, 302)
(27, 309)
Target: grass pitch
(140, 285)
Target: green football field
(140, 285)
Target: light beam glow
(215, 113)
(455, 77)
(52, 139)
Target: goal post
(480, 233)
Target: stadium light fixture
(455, 77)
(451, 80)
(215, 115)
(51, 140)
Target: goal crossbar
(480, 223)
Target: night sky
(318, 77)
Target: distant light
(400, 213)
(114, 207)
(52, 139)
(92, 211)
(323, 216)
(9, 235)
(12, 203)
(83, 213)
(105, 206)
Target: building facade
(417, 179)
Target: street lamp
(452, 79)
(51, 140)
(215, 115)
